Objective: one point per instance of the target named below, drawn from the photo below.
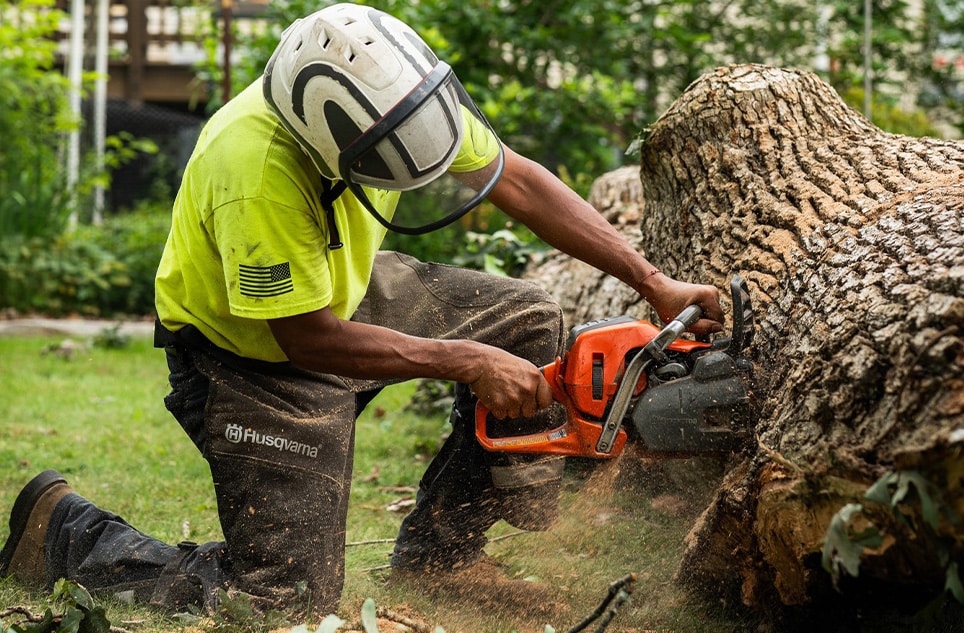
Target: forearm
(320, 342)
(562, 219)
(530, 194)
(509, 386)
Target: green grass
(99, 418)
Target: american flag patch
(265, 281)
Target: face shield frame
(427, 89)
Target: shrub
(137, 239)
(57, 276)
(105, 271)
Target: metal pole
(226, 9)
(75, 71)
(100, 102)
(868, 53)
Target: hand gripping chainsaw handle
(588, 438)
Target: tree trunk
(852, 241)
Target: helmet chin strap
(330, 192)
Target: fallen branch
(376, 541)
(24, 611)
(618, 595)
(415, 625)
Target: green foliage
(57, 276)
(570, 84)
(942, 35)
(112, 338)
(890, 118)
(34, 116)
(898, 489)
(503, 252)
(432, 397)
(136, 239)
(843, 545)
(438, 246)
(71, 610)
(906, 42)
(895, 488)
(235, 614)
(96, 271)
(908, 494)
(892, 30)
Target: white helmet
(341, 69)
(370, 103)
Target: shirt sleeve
(480, 146)
(273, 259)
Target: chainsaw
(622, 376)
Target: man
(281, 320)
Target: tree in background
(35, 116)
(942, 67)
(570, 83)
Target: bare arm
(320, 341)
(531, 194)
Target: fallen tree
(852, 241)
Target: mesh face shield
(436, 147)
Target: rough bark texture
(852, 241)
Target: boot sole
(22, 508)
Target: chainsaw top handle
(671, 331)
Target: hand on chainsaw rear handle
(669, 297)
(509, 386)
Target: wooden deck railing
(154, 45)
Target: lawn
(98, 417)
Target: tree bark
(852, 241)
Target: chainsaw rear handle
(574, 437)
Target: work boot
(23, 553)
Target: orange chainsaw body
(585, 381)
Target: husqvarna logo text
(236, 434)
